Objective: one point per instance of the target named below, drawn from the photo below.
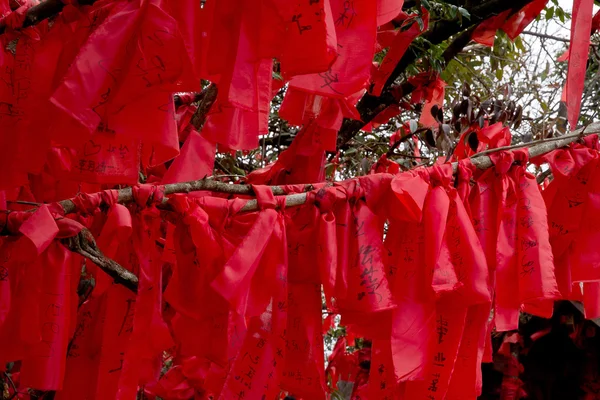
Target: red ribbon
(88, 203)
(402, 39)
(581, 25)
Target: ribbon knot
(465, 170)
(11, 221)
(353, 191)
(410, 189)
(109, 197)
(440, 175)
(504, 160)
(323, 199)
(146, 195)
(88, 203)
(264, 197)
(234, 282)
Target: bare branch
(12, 384)
(480, 160)
(42, 11)
(84, 244)
(542, 177)
(369, 106)
(208, 97)
(544, 36)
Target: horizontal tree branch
(544, 36)
(480, 160)
(126, 194)
(84, 242)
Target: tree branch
(197, 97)
(480, 160)
(542, 177)
(84, 244)
(12, 384)
(209, 95)
(544, 36)
(126, 194)
(42, 11)
(369, 106)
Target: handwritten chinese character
(527, 266)
(329, 78)
(91, 166)
(441, 329)
(439, 359)
(346, 17)
(433, 386)
(301, 28)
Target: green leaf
(453, 12)
(413, 125)
(499, 73)
(420, 22)
(277, 75)
(464, 13)
(549, 13)
(545, 72)
(519, 44)
(560, 14)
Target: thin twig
(84, 244)
(410, 156)
(226, 176)
(552, 37)
(25, 203)
(12, 384)
(403, 139)
(209, 95)
(370, 106)
(42, 11)
(542, 177)
(544, 36)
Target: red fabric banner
(402, 38)
(355, 28)
(581, 25)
